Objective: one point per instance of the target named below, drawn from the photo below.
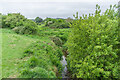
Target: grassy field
(0, 53)
(14, 45)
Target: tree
(19, 23)
(69, 19)
(93, 46)
(12, 20)
(38, 20)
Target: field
(86, 47)
(14, 45)
(0, 54)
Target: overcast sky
(53, 8)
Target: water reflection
(64, 64)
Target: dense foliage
(42, 61)
(47, 52)
(93, 46)
(12, 20)
(57, 23)
(29, 28)
(19, 23)
(38, 20)
(60, 25)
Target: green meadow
(14, 45)
(85, 47)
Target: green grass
(40, 60)
(41, 25)
(13, 46)
(0, 54)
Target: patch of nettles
(41, 60)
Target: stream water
(64, 64)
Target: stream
(64, 64)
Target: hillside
(15, 47)
(86, 47)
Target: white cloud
(32, 8)
(59, 0)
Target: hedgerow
(57, 23)
(93, 46)
(19, 23)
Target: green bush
(12, 20)
(19, 24)
(49, 21)
(57, 41)
(60, 25)
(38, 20)
(38, 72)
(63, 37)
(29, 27)
(92, 46)
(56, 23)
(33, 61)
(42, 59)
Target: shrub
(33, 62)
(60, 25)
(42, 58)
(92, 46)
(29, 28)
(12, 20)
(56, 23)
(63, 37)
(36, 72)
(57, 41)
(49, 21)
(19, 24)
(38, 20)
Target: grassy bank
(14, 47)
